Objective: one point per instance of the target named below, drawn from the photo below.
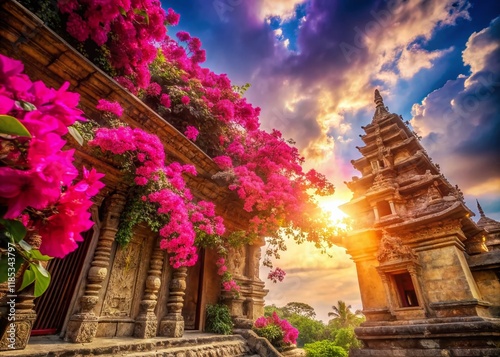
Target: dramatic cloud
(414, 58)
(313, 66)
(281, 8)
(460, 122)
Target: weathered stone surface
(122, 292)
(429, 297)
(192, 345)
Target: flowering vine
(161, 198)
(262, 168)
(43, 204)
(124, 30)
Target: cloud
(460, 122)
(414, 58)
(321, 93)
(315, 279)
(282, 8)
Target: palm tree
(343, 316)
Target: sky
(313, 66)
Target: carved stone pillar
(17, 323)
(412, 269)
(147, 323)
(393, 208)
(82, 326)
(388, 292)
(375, 212)
(172, 325)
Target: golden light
(331, 205)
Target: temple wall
(129, 291)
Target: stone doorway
(194, 288)
(53, 306)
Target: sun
(331, 205)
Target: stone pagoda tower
(412, 243)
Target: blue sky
(313, 66)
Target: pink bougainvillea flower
(154, 89)
(90, 183)
(10, 67)
(172, 17)
(230, 285)
(6, 104)
(165, 100)
(224, 162)
(183, 36)
(61, 231)
(191, 133)
(185, 100)
(23, 189)
(261, 322)
(110, 107)
(276, 275)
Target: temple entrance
(192, 300)
(52, 307)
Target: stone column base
(16, 334)
(172, 328)
(81, 330)
(146, 327)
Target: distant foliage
(302, 316)
(346, 339)
(219, 320)
(324, 349)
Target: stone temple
(428, 274)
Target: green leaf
(25, 245)
(28, 278)
(142, 13)
(12, 126)
(15, 229)
(42, 280)
(35, 254)
(122, 11)
(75, 134)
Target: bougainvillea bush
(44, 199)
(278, 331)
(160, 198)
(129, 40)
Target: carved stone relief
(121, 286)
(236, 261)
(392, 248)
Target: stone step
(193, 343)
(455, 352)
(235, 348)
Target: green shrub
(324, 348)
(272, 332)
(219, 320)
(346, 338)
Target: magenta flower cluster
(173, 199)
(111, 107)
(129, 29)
(191, 133)
(290, 333)
(38, 179)
(263, 168)
(276, 275)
